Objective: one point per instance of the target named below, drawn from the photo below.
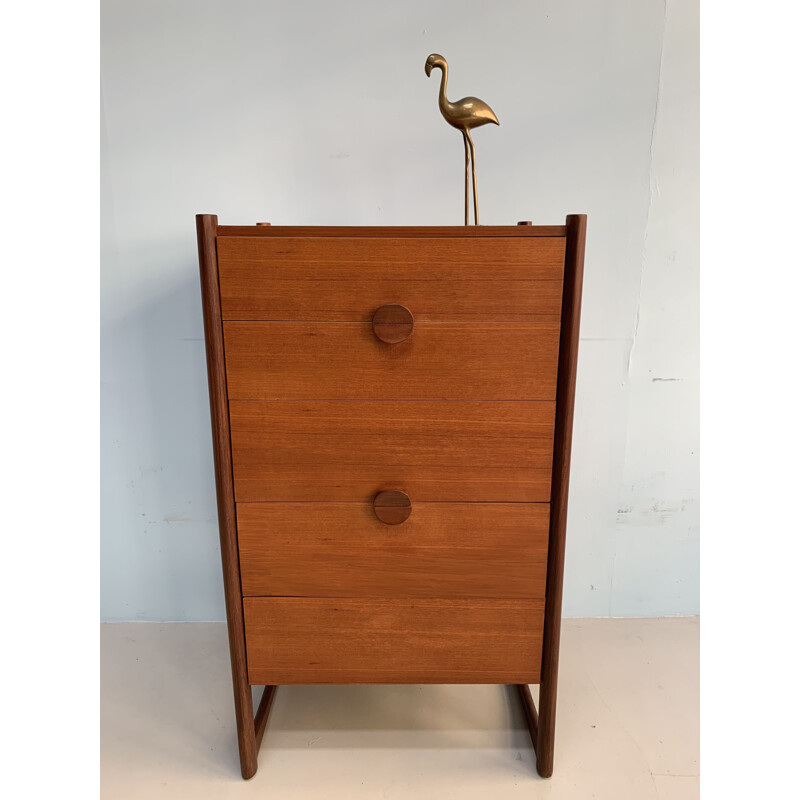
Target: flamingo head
(434, 60)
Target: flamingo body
(468, 113)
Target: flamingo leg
(474, 179)
(466, 178)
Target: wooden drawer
(339, 640)
(346, 361)
(347, 278)
(434, 451)
(442, 550)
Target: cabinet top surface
(420, 231)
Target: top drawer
(344, 279)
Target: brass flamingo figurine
(464, 114)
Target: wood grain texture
(215, 358)
(340, 640)
(329, 278)
(567, 370)
(395, 232)
(455, 550)
(433, 451)
(345, 361)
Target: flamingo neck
(444, 103)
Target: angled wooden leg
(542, 737)
(543, 724)
(250, 736)
(559, 489)
(252, 732)
(546, 728)
(262, 715)
(226, 506)
(530, 712)
(248, 754)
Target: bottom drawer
(338, 640)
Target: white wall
(320, 113)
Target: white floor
(627, 724)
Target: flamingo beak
(428, 68)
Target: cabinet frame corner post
(250, 729)
(543, 727)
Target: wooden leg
(248, 754)
(262, 715)
(530, 712)
(559, 490)
(546, 733)
(542, 736)
(226, 505)
(252, 732)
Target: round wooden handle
(392, 507)
(392, 323)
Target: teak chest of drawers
(392, 422)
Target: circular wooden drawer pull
(392, 507)
(393, 323)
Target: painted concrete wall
(320, 113)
